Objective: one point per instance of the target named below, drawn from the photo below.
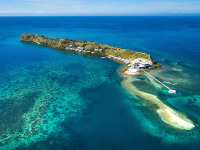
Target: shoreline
(167, 114)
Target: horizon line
(93, 14)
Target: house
(97, 50)
(81, 48)
(126, 62)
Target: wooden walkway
(170, 90)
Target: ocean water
(56, 100)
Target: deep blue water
(54, 100)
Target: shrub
(124, 69)
(99, 54)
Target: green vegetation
(124, 69)
(99, 54)
(61, 44)
(153, 67)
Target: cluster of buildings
(141, 63)
(81, 49)
(77, 49)
(120, 59)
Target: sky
(98, 7)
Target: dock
(170, 90)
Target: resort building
(141, 63)
(80, 48)
(77, 49)
(98, 50)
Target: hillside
(61, 44)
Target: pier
(170, 90)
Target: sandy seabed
(167, 114)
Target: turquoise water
(54, 100)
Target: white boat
(172, 91)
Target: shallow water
(54, 100)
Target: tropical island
(135, 63)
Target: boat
(172, 91)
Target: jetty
(170, 90)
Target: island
(135, 62)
